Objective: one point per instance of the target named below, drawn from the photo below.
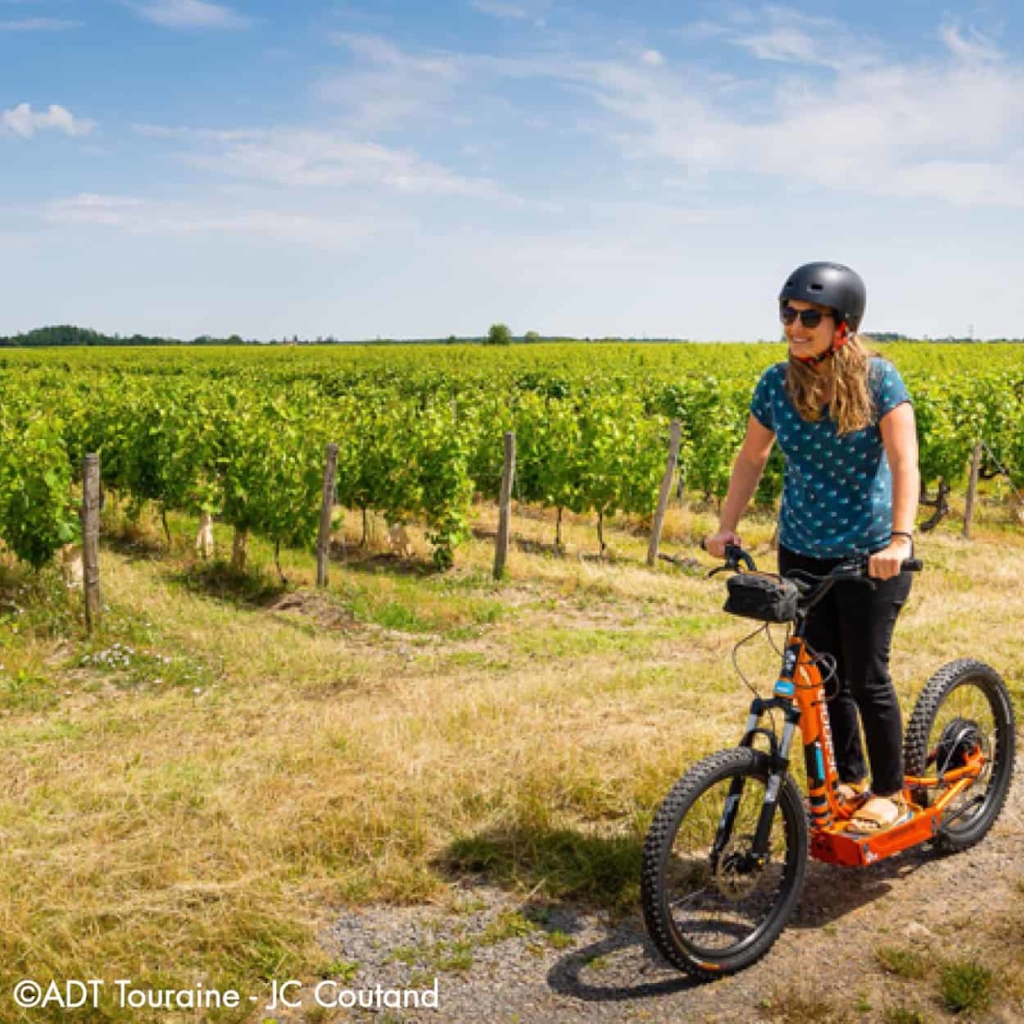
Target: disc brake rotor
(737, 875)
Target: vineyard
(240, 435)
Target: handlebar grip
(912, 565)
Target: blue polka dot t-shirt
(837, 490)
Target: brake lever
(851, 569)
(857, 569)
(734, 554)
(854, 570)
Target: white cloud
(963, 182)
(38, 25)
(786, 35)
(91, 208)
(825, 107)
(948, 129)
(156, 131)
(326, 230)
(306, 158)
(309, 158)
(977, 48)
(497, 9)
(23, 121)
(389, 87)
(701, 30)
(190, 14)
(787, 44)
(378, 50)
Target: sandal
(879, 813)
(852, 793)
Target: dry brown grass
(200, 821)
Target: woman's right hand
(716, 542)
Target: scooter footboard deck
(836, 845)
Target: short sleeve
(888, 389)
(762, 408)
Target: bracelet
(902, 533)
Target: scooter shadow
(569, 976)
(624, 965)
(830, 892)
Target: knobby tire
(695, 913)
(965, 690)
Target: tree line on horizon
(67, 335)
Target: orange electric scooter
(725, 856)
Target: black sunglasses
(810, 318)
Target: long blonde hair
(845, 388)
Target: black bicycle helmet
(829, 284)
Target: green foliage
(37, 515)
(499, 334)
(241, 434)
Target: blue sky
(402, 169)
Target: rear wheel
(964, 708)
(708, 906)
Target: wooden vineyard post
(972, 489)
(666, 489)
(323, 544)
(505, 505)
(91, 540)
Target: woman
(845, 424)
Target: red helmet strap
(841, 337)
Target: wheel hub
(738, 874)
(959, 739)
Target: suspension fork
(779, 758)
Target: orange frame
(801, 684)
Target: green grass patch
(796, 1004)
(255, 587)
(37, 604)
(27, 690)
(131, 668)
(561, 642)
(418, 606)
(509, 924)
(560, 940)
(966, 986)
(343, 971)
(435, 957)
(687, 625)
(561, 862)
(903, 1015)
(904, 963)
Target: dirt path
(508, 960)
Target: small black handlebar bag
(761, 596)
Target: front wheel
(709, 907)
(963, 708)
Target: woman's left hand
(885, 564)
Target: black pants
(854, 624)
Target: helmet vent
(816, 287)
